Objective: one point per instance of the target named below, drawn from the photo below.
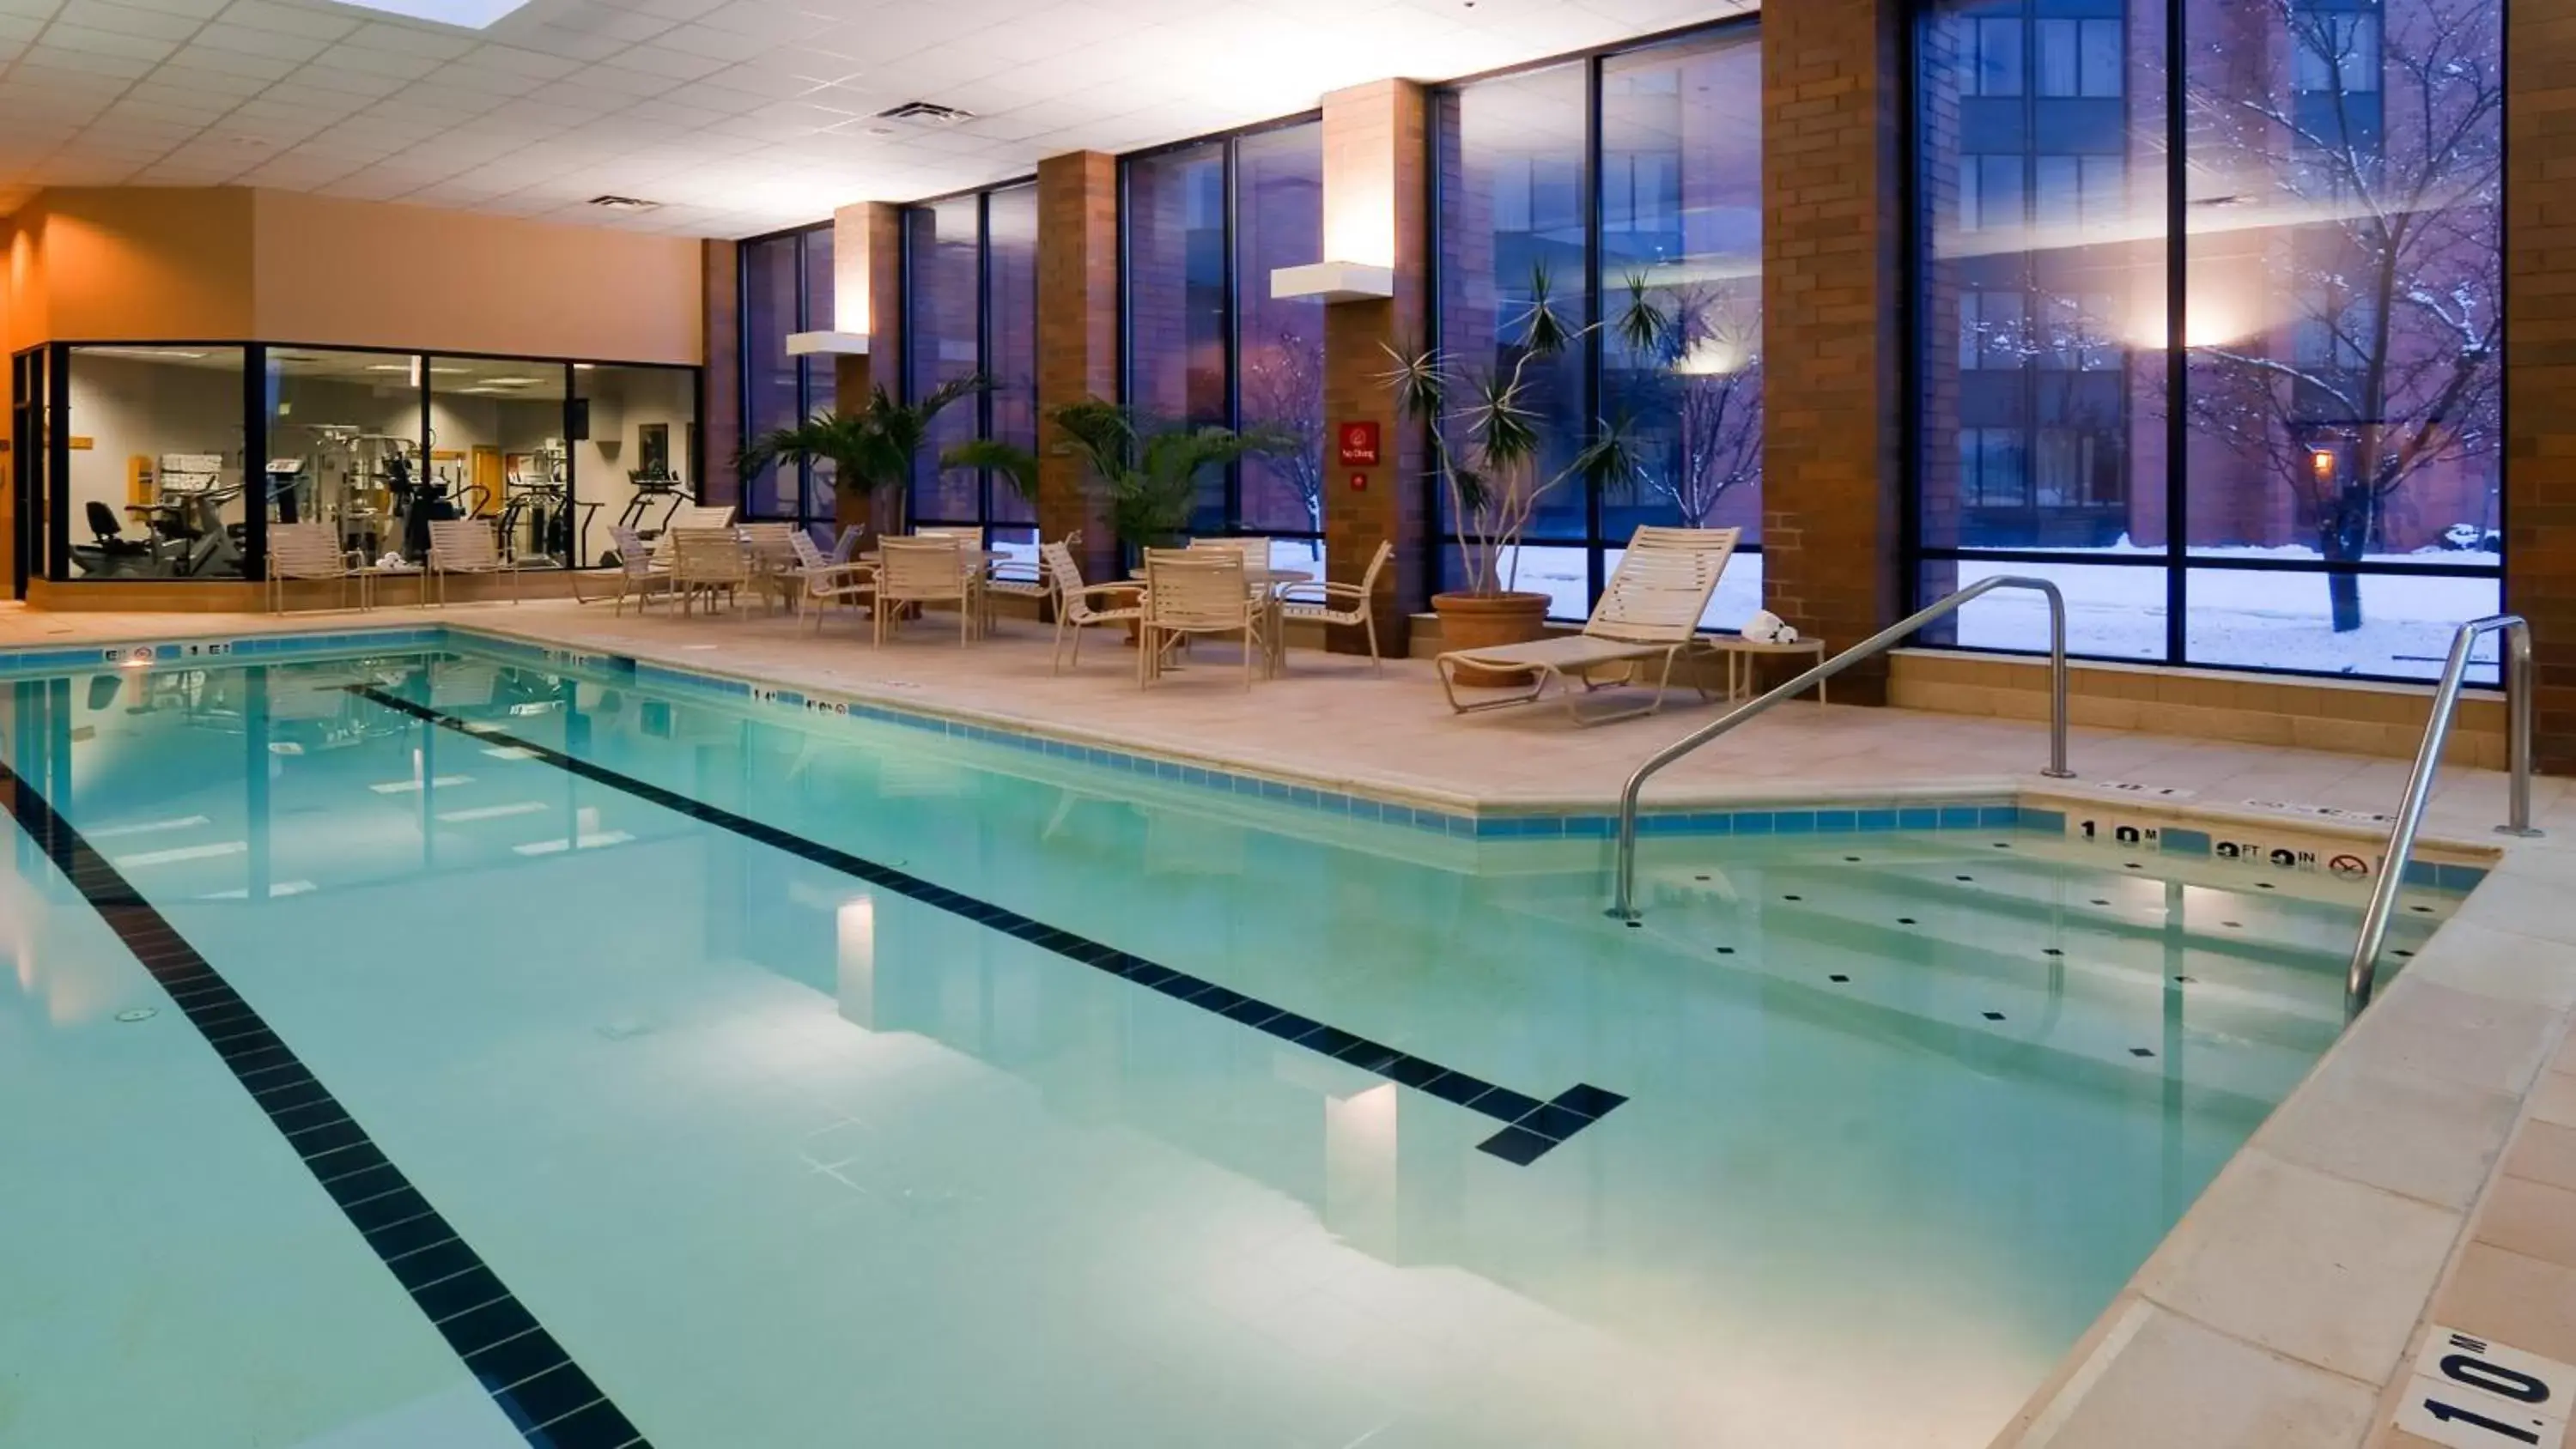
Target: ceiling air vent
(928, 113)
(622, 203)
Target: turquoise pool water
(534, 1056)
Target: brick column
(1832, 240)
(1376, 158)
(867, 265)
(1077, 337)
(2540, 360)
(720, 431)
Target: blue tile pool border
(1982, 812)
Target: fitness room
(156, 484)
(190, 367)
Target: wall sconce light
(840, 344)
(1333, 282)
(2321, 462)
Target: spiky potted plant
(874, 447)
(1489, 455)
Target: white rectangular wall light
(1334, 282)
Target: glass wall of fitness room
(1202, 225)
(149, 477)
(970, 298)
(2325, 496)
(1633, 171)
(786, 280)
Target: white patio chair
(821, 582)
(706, 562)
(1330, 603)
(639, 574)
(1189, 592)
(1074, 609)
(467, 546)
(304, 551)
(923, 571)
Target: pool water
(772, 1079)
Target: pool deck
(2425, 1173)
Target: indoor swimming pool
(459, 1049)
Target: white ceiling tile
(318, 23)
(223, 35)
(234, 75)
(54, 57)
(520, 61)
(555, 40)
(146, 48)
(192, 9)
(41, 9)
(375, 62)
(666, 64)
(702, 40)
(128, 20)
(371, 85)
(411, 40)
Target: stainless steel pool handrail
(1624, 906)
(2359, 977)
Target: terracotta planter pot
(1482, 621)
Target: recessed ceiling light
(388, 367)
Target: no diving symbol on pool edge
(2349, 866)
(2471, 1393)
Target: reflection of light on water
(854, 929)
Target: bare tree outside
(2378, 166)
(1283, 390)
(1707, 377)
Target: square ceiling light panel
(472, 14)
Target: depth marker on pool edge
(1533, 1128)
(548, 1398)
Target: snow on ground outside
(2237, 617)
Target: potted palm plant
(872, 449)
(1148, 472)
(1488, 452)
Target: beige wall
(203, 263)
(132, 264)
(368, 274)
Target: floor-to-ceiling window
(1203, 225)
(786, 288)
(1612, 184)
(2311, 480)
(970, 308)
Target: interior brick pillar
(1832, 290)
(720, 432)
(867, 268)
(2540, 361)
(1077, 337)
(1376, 200)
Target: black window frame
(806, 392)
(909, 385)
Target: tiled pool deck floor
(2424, 1174)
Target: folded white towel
(1766, 627)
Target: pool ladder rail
(1624, 905)
(2361, 974)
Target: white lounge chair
(1650, 608)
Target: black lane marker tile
(1517, 1145)
(1318, 1037)
(416, 1244)
(1554, 1122)
(1589, 1100)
